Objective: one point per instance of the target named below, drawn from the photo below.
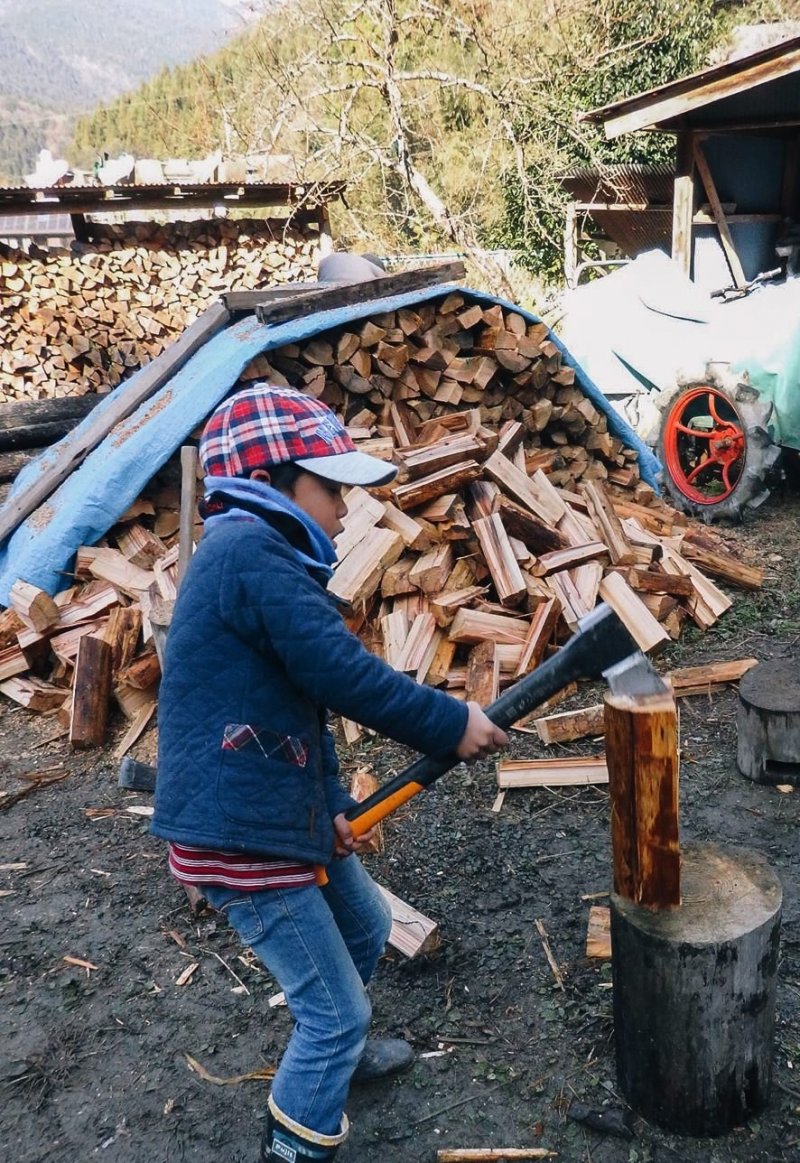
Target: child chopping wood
(248, 793)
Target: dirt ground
(94, 1060)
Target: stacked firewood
(82, 322)
(515, 511)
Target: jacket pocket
(266, 778)
(271, 744)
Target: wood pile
(514, 513)
(79, 322)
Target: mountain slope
(61, 58)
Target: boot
(382, 1058)
(286, 1141)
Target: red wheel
(704, 445)
(716, 448)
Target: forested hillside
(59, 58)
(451, 121)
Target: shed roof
(125, 196)
(670, 106)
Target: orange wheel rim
(704, 445)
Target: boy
(248, 794)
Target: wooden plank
(490, 1154)
(575, 772)
(332, 297)
(703, 169)
(125, 400)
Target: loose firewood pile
(514, 513)
(82, 322)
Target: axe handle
(574, 660)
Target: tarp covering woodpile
(522, 500)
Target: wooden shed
(736, 192)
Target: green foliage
(608, 52)
(452, 121)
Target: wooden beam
(707, 179)
(337, 295)
(683, 205)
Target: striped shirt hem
(237, 870)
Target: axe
(602, 647)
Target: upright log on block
(642, 751)
(694, 944)
(694, 994)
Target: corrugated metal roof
(643, 195)
(660, 108)
(88, 198)
(637, 184)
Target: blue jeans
(321, 944)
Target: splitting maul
(602, 647)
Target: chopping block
(694, 993)
(768, 723)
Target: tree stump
(768, 723)
(694, 994)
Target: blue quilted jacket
(256, 654)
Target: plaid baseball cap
(264, 426)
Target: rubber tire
(761, 453)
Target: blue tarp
(96, 494)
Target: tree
(607, 52)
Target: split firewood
(514, 512)
(412, 933)
(92, 692)
(569, 725)
(704, 680)
(598, 933)
(575, 772)
(36, 608)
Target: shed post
(683, 203)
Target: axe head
(615, 656)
